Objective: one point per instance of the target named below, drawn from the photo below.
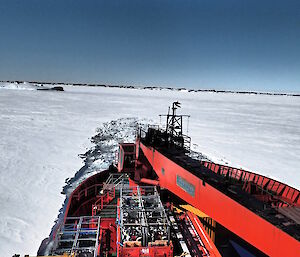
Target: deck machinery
(143, 226)
(161, 201)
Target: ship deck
(285, 218)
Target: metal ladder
(114, 182)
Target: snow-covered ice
(42, 133)
(20, 86)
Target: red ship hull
(223, 209)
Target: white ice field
(42, 133)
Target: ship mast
(174, 125)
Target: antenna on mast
(174, 127)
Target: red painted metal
(208, 243)
(235, 217)
(88, 186)
(286, 194)
(154, 251)
(132, 183)
(118, 244)
(108, 225)
(127, 154)
(103, 200)
(149, 181)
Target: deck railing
(287, 195)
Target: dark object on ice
(52, 88)
(58, 88)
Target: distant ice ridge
(154, 88)
(15, 85)
(29, 86)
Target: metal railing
(78, 235)
(142, 218)
(114, 182)
(284, 195)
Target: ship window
(128, 148)
(121, 157)
(163, 171)
(129, 161)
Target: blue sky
(232, 44)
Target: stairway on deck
(110, 210)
